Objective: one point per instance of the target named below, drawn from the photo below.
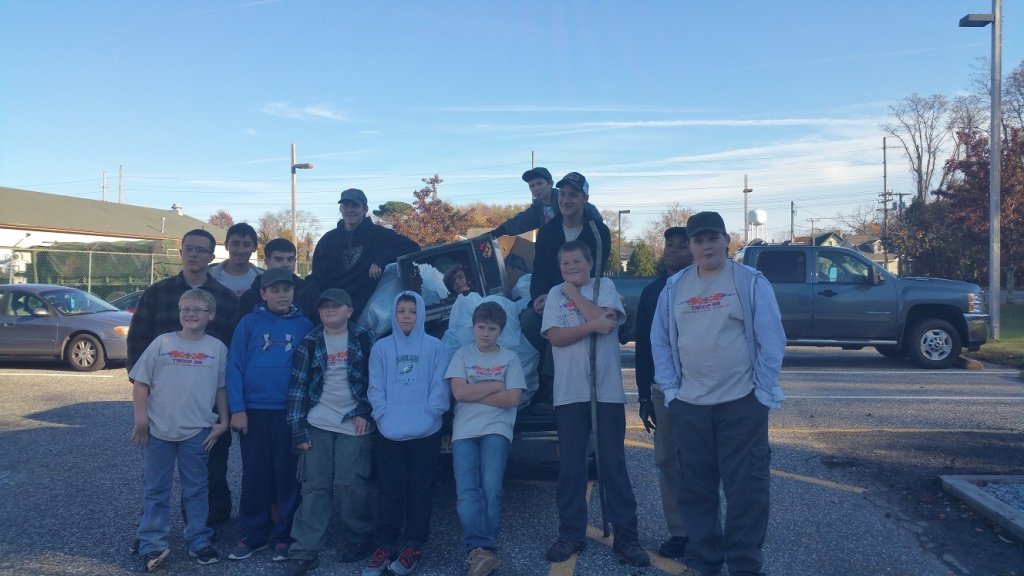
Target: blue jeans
(159, 457)
(479, 465)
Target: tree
(432, 221)
(654, 234)
(642, 261)
(391, 212)
(865, 219)
(921, 124)
(1013, 99)
(222, 219)
(480, 215)
(611, 219)
(279, 225)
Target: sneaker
(299, 566)
(378, 562)
(406, 562)
(356, 551)
(674, 547)
(153, 561)
(133, 548)
(244, 549)
(562, 549)
(280, 552)
(630, 552)
(205, 556)
(482, 562)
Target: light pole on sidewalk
(303, 166)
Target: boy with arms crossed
(487, 382)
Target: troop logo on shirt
(705, 303)
(188, 358)
(487, 372)
(339, 359)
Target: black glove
(647, 414)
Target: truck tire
(933, 344)
(892, 352)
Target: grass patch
(1009, 350)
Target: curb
(966, 488)
(969, 363)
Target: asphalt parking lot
(856, 452)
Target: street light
(303, 166)
(996, 146)
(618, 267)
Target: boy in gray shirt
(487, 382)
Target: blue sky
(654, 101)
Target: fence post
(88, 278)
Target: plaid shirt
(308, 366)
(157, 313)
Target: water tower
(757, 218)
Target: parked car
(128, 302)
(46, 320)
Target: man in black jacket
(572, 224)
(653, 412)
(353, 255)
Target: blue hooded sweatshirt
(260, 360)
(408, 391)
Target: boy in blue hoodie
(408, 394)
(258, 376)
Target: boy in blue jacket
(258, 376)
(408, 394)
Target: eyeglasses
(197, 250)
(194, 311)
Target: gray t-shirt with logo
(474, 419)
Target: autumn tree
(480, 215)
(654, 234)
(222, 219)
(642, 261)
(921, 124)
(432, 221)
(392, 211)
(279, 225)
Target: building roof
(27, 210)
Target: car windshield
(74, 302)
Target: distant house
(36, 219)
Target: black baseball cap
(538, 172)
(705, 222)
(336, 295)
(353, 195)
(577, 181)
(275, 275)
(676, 230)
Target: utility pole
(746, 222)
(120, 182)
(812, 221)
(533, 159)
(792, 215)
(103, 188)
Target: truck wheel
(934, 344)
(892, 352)
(85, 354)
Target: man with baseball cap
(543, 208)
(572, 223)
(353, 255)
(653, 413)
(717, 342)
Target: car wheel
(934, 344)
(85, 353)
(892, 352)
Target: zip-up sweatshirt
(762, 323)
(408, 391)
(260, 359)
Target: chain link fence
(106, 273)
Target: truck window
(782, 266)
(839, 268)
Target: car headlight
(976, 302)
(121, 331)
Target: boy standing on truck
(653, 412)
(571, 316)
(544, 206)
(718, 345)
(487, 382)
(409, 395)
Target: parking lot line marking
(779, 473)
(879, 397)
(819, 482)
(901, 372)
(890, 431)
(666, 565)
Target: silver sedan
(46, 320)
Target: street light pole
(996, 147)
(618, 267)
(304, 166)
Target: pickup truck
(832, 296)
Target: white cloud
(287, 110)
